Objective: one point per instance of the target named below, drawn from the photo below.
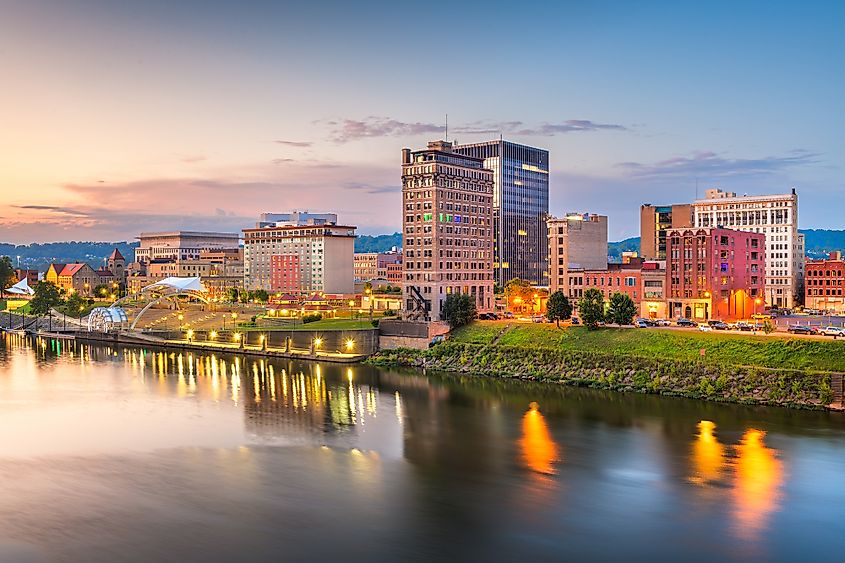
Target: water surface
(127, 454)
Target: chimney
(406, 156)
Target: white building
(299, 259)
(182, 245)
(776, 216)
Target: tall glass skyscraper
(520, 208)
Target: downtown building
(714, 273)
(299, 259)
(776, 217)
(576, 242)
(378, 265)
(182, 245)
(520, 208)
(655, 220)
(447, 227)
(825, 282)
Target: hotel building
(776, 217)
(447, 226)
(825, 283)
(299, 259)
(655, 221)
(576, 242)
(714, 273)
(520, 208)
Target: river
(125, 454)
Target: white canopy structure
(184, 286)
(170, 288)
(20, 288)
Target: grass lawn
(722, 348)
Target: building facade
(447, 226)
(76, 278)
(655, 220)
(182, 245)
(295, 218)
(616, 278)
(776, 217)
(825, 282)
(300, 259)
(715, 273)
(365, 266)
(653, 291)
(520, 208)
(576, 243)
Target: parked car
(717, 325)
(686, 323)
(662, 322)
(802, 329)
(641, 323)
(834, 331)
(507, 315)
(743, 326)
(705, 327)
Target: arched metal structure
(104, 319)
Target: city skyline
(199, 116)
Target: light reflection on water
(128, 454)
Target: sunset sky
(118, 117)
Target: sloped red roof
(58, 267)
(71, 269)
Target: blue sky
(123, 116)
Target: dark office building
(520, 208)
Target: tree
(622, 309)
(232, 294)
(558, 308)
(7, 272)
(519, 292)
(102, 290)
(459, 309)
(45, 298)
(261, 295)
(591, 308)
(74, 304)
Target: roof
(179, 284)
(116, 255)
(21, 288)
(72, 269)
(57, 267)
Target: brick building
(714, 273)
(825, 281)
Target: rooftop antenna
(696, 187)
(447, 128)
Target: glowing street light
(212, 335)
(349, 344)
(318, 342)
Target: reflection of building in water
(708, 455)
(539, 451)
(305, 400)
(759, 476)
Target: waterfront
(125, 454)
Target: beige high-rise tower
(447, 226)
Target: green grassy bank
(733, 367)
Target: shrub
(311, 318)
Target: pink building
(714, 273)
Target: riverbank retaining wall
(695, 379)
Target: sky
(118, 117)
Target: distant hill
(378, 243)
(615, 249)
(818, 243)
(39, 256)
